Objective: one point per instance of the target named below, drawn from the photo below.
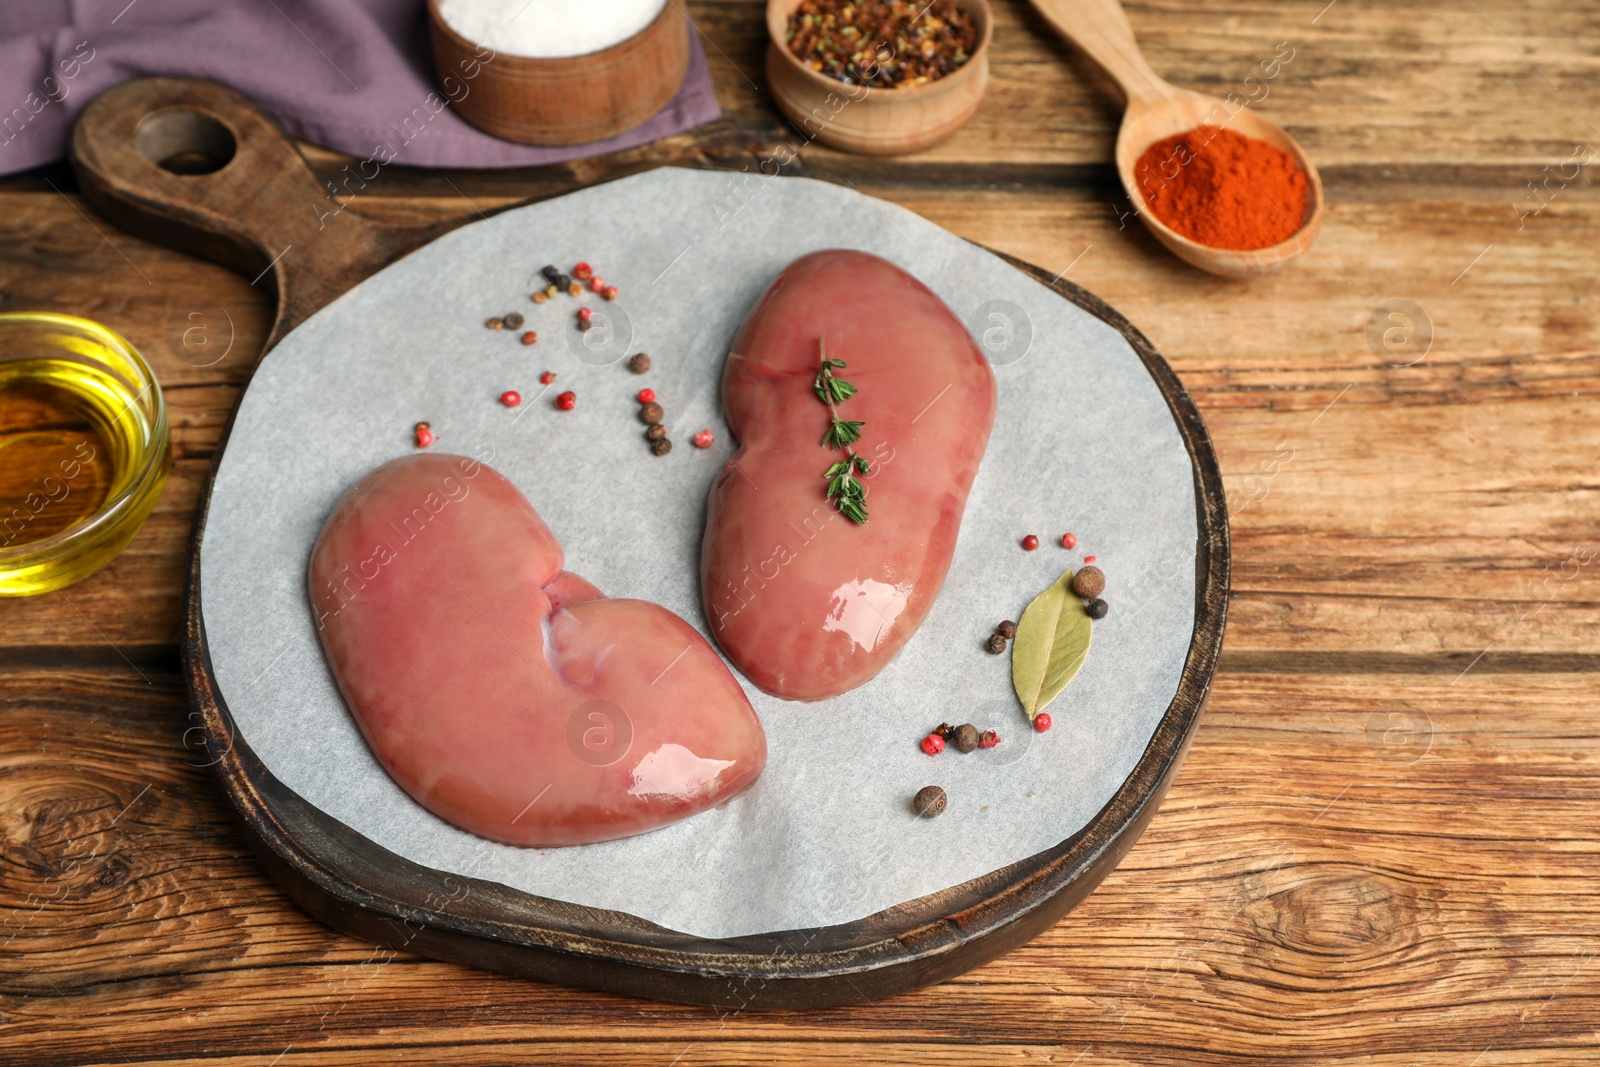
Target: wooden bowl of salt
(558, 72)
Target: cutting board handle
(195, 166)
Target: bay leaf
(1051, 644)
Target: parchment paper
(1083, 441)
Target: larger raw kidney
(506, 695)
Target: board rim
(358, 887)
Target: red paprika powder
(1223, 189)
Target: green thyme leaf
(1051, 644)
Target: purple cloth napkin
(354, 75)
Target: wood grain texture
(1306, 895)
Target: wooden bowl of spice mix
(559, 74)
(882, 78)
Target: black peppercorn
(639, 363)
(1007, 629)
(996, 644)
(513, 321)
(966, 737)
(661, 446)
(563, 281)
(929, 802)
(651, 413)
(1096, 607)
(656, 432)
(550, 273)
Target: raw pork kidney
(507, 696)
(805, 602)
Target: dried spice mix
(885, 45)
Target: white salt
(548, 28)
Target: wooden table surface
(1384, 847)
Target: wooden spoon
(1156, 110)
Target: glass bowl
(84, 449)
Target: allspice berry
(661, 446)
(965, 738)
(996, 644)
(639, 363)
(651, 413)
(1007, 629)
(929, 801)
(1096, 607)
(656, 432)
(1089, 582)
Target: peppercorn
(550, 291)
(547, 377)
(929, 802)
(585, 325)
(933, 744)
(656, 432)
(424, 435)
(1096, 607)
(944, 730)
(988, 739)
(550, 273)
(609, 292)
(529, 337)
(1068, 541)
(1089, 583)
(574, 289)
(582, 272)
(597, 284)
(511, 398)
(639, 363)
(1007, 629)
(540, 297)
(703, 439)
(647, 396)
(513, 321)
(564, 281)
(996, 644)
(1030, 543)
(966, 737)
(1042, 721)
(651, 413)
(661, 446)
(567, 400)
(496, 323)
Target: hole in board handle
(184, 141)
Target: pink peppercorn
(424, 435)
(609, 292)
(529, 337)
(511, 398)
(1030, 543)
(703, 439)
(933, 744)
(647, 396)
(567, 400)
(547, 377)
(1042, 721)
(585, 314)
(597, 284)
(1068, 541)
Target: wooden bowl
(564, 100)
(875, 122)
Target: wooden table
(1385, 844)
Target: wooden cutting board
(193, 165)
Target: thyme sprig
(844, 487)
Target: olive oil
(84, 450)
